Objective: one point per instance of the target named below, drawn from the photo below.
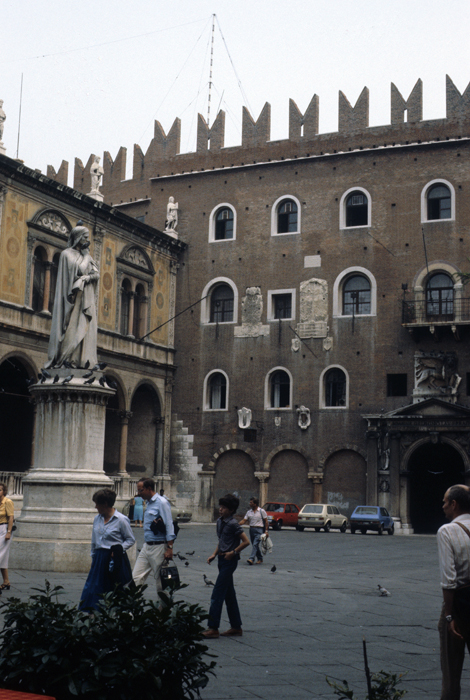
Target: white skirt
(4, 546)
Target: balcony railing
(431, 312)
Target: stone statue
(244, 417)
(171, 215)
(74, 324)
(304, 419)
(3, 116)
(97, 172)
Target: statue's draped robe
(74, 325)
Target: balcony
(436, 315)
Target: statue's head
(79, 236)
(97, 159)
(171, 200)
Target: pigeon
(67, 364)
(43, 378)
(206, 581)
(102, 381)
(68, 379)
(273, 568)
(45, 373)
(31, 381)
(99, 365)
(88, 374)
(186, 563)
(190, 553)
(111, 383)
(180, 556)
(56, 379)
(383, 591)
(90, 381)
(87, 364)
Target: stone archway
(144, 444)
(288, 478)
(16, 416)
(432, 468)
(235, 473)
(344, 480)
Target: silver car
(321, 516)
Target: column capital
(125, 416)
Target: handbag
(169, 575)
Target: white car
(321, 516)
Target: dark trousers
(224, 591)
(452, 658)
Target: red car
(280, 514)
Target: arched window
(125, 304)
(279, 385)
(439, 202)
(221, 304)
(54, 269)
(357, 209)
(139, 308)
(216, 392)
(440, 297)
(356, 296)
(287, 217)
(39, 276)
(335, 385)
(224, 224)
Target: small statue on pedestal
(171, 215)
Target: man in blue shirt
(158, 535)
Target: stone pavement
(307, 620)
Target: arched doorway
(432, 468)
(234, 473)
(16, 417)
(144, 444)
(288, 480)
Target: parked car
(371, 518)
(280, 514)
(321, 516)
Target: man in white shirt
(258, 521)
(453, 541)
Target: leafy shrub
(129, 649)
(384, 688)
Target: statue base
(3, 150)
(96, 195)
(54, 528)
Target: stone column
(263, 486)
(54, 528)
(317, 486)
(130, 323)
(372, 467)
(124, 416)
(144, 306)
(29, 272)
(394, 472)
(47, 286)
(172, 302)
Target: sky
(96, 74)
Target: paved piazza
(307, 620)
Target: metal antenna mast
(210, 72)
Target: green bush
(383, 688)
(130, 648)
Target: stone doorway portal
(432, 468)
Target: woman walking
(6, 526)
(111, 537)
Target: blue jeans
(255, 537)
(224, 591)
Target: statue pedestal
(3, 150)
(54, 529)
(96, 195)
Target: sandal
(5, 587)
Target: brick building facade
(324, 278)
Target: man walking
(258, 521)
(453, 540)
(158, 534)
(232, 540)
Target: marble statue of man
(171, 215)
(97, 172)
(3, 116)
(74, 324)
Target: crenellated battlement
(163, 157)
